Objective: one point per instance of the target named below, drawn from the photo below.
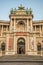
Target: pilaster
(10, 24)
(35, 28)
(2, 31)
(31, 25)
(27, 44)
(40, 30)
(14, 25)
(15, 45)
(27, 25)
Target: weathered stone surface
(21, 60)
(21, 63)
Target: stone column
(7, 41)
(35, 28)
(42, 27)
(35, 45)
(40, 30)
(27, 44)
(14, 25)
(2, 30)
(15, 45)
(27, 25)
(15, 42)
(31, 25)
(11, 24)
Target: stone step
(21, 56)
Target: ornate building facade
(21, 35)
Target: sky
(35, 5)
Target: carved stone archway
(21, 46)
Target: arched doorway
(21, 46)
(3, 48)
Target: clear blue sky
(36, 5)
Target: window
(39, 48)
(21, 23)
(12, 21)
(8, 28)
(29, 21)
(4, 27)
(3, 48)
(21, 26)
(37, 28)
(33, 28)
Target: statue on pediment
(13, 11)
(21, 7)
(28, 11)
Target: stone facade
(21, 35)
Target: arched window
(39, 48)
(21, 26)
(21, 23)
(3, 46)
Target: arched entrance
(21, 46)
(3, 48)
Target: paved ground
(21, 60)
(21, 63)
